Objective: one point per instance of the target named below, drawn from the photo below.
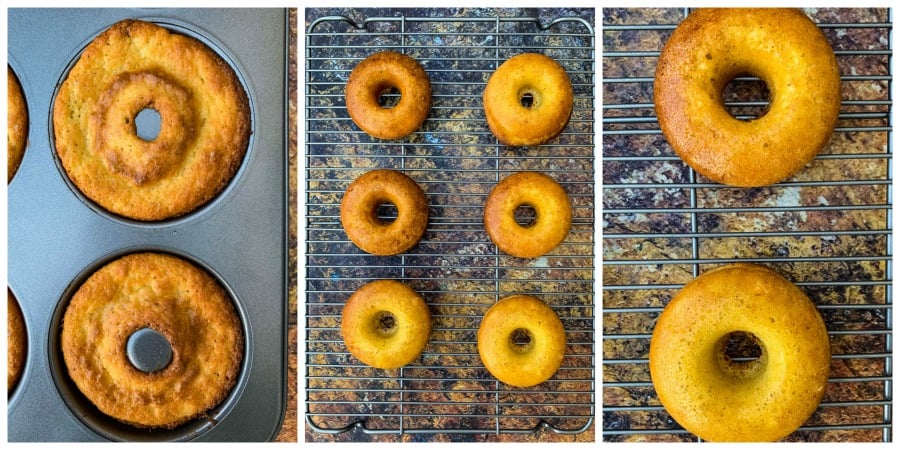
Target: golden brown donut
(16, 124)
(17, 341)
(359, 208)
(204, 122)
(539, 80)
(553, 214)
(385, 324)
(782, 47)
(521, 341)
(176, 299)
(378, 74)
(720, 399)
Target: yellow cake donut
(359, 208)
(720, 399)
(782, 47)
(16, 124)
(380, 73)
(174, 299)
(17, 341)
(521, 341)
(204, 114)
(528, 100)
(553, 214)
(385, 324)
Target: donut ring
(16, 124)
(204, 113)
(521, 318)
(553, 214)
(385, 324)
(534, 76)
(176, 299)
(723, 400)
(359, 212)
(782, 47)
(381, 72)
(17, 340)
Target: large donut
(17, 341)
(782, 47)
(176, 300)
(521, 341)
(553, 214)
(380, 73)
(385, 324)
(528, 100)
(720, 399)
(204, 122)
(359, 212)
(16, 124)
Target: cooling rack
(828, 229)
(455, 267)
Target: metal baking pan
(57, 238)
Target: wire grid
(455, 267)
(827, 229)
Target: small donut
(380, 73)
(718, 398)
(553, 214)
(359, 212)
(16, 340)
(173, 298)
(528, 100)
(521, 341)
(16, 124)
(385, 324)
(204, 113)
(782, 47)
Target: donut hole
(386, 213)
(746, 98)
(525, 215)
(385, 323)
(148, 350)
(527, 99)
(389, 97)
(741, 354)
(147, 124)
(521, 340)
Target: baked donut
(782, 47)
(721, 399)
(553, 214)
(359, 212)
(162, 295)
(16, 340)
(528, 100)
(204, 112)
(378, 74)
(385, 324)
(521, 341)
(16, 124)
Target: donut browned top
(204, 114)
(16, 340)
(16, 124)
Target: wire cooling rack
(828, 229)
(460, 273)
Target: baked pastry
(17, 341)
(359, 212)
(782, 47)
(553, 214)
(175, 299)
(378, 74)
(16, 124)
(204, 114)
(521, 341)
(721, 399)
(385, 324)
(528, 100)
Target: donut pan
(57, 238)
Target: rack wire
(828, 229)
(460, 273)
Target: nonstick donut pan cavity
(58, 238)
